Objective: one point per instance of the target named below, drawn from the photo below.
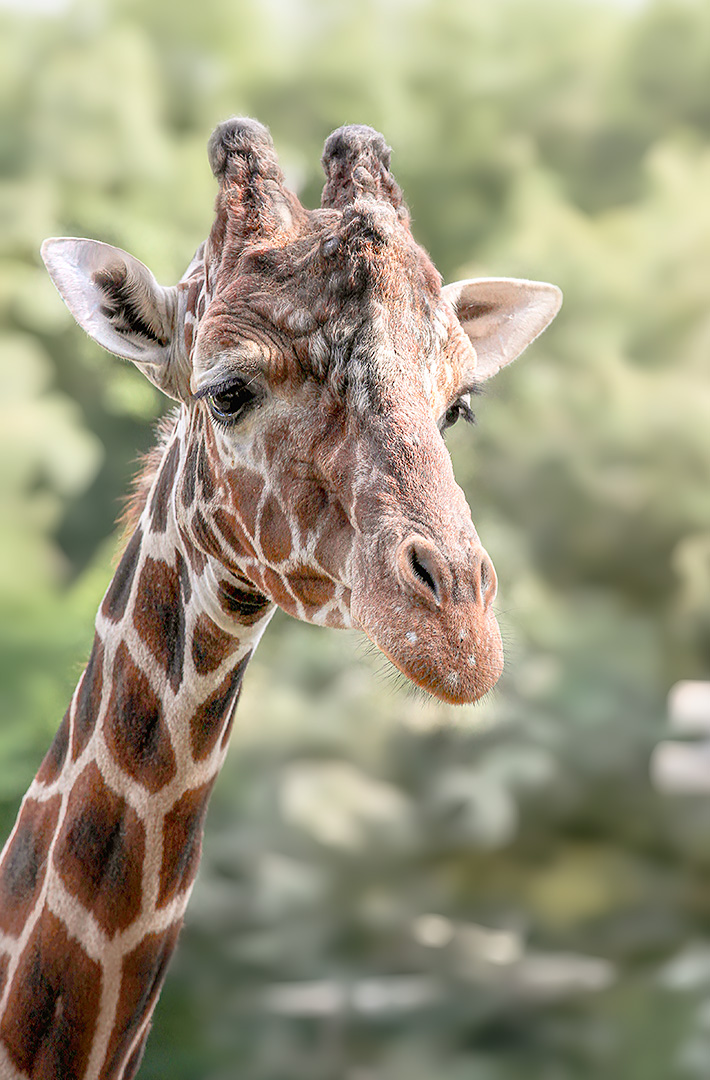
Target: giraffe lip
(458, 676)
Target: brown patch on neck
(99, 853)
(182, 842)
(24, 865)
(214, 716)
(53, 1006)
(142, 976)
(210, 645)
(88, 699)
(135, 727)
(159, 617)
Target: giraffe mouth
(457, 676)
(455, 653)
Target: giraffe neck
(96, 875)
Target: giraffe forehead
(361, 305)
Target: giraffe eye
(231, 402)
(460, 407)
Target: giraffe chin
(459, 668)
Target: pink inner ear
(502, 316)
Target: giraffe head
(318, 361)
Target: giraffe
(315, 360)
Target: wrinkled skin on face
(318, 360)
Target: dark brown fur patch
(4, 962)
(135, 728)
(50, 1018)
(159, 618)
(244, 605)
(210, 645)
(182, 842)
(204, 473)
(275, 531)
(55, 757)
(160, 499)
(24, 865)
(237, 538)
(116, 599)
(88, 700)
(195, 557)
(210, 718)
(248, 488)
(189, 476)
(100, 852)
(136, 1057)
(206, 540)
(126, 304)
(314, 592)
(184, 575)
(142, 977)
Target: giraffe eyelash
(231, 400)
(460, 408)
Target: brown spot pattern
(88, 699)
(275, 531)
(195, 557)
(116, 599)
(203, 535)
(275, 586)
(189, 476)
(136, 1057)
(24, 865)
(182, 842)
(236, 535)
(210, 645)
(55, 757)
(52, 1008)
(244, 605)
(209, 719)
(313, 591)
(247, 487)
(100, 851)
(160, 501)
(142, 976)
(204, 473)
(135, 729)
(159, 617)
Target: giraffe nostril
(488, 580)
(420, 569)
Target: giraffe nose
(423, 570)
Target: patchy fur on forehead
(345, 279)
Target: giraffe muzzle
(432, 616)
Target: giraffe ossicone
(316, 361)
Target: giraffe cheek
(274, 532)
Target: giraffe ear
(502, 316)
(118, 302)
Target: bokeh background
(394, 890)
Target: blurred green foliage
(392, 889)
